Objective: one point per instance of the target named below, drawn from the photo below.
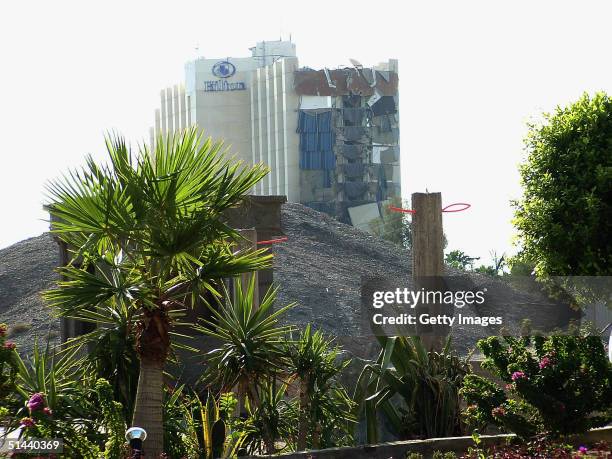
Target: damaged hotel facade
(330, 137)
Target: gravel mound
(319, 267)
(26, 270)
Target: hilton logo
(223, 69)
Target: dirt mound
(319, 267)
(26, 270)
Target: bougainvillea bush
(8, 365)
(8, 371)
(555, 385)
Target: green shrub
(563, 220)
(112, 419)
(556, 385)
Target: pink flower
(583, 450)
(545, 362)
(518, 375)
(498, 412)
(9, 345)
(47, 411)
(27, 422)
(509, 387)
(36, 402)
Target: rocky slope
(27, 269)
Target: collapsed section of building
(349, 140)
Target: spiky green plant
(428, 384)
(324, 405)
(204, 433)
(272, 418)
(251, 341)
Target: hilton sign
(223, 85)
(223, 69)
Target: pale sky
(472, 73)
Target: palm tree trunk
(152, 345)
(148, 407)
(303, 420)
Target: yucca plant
(251, 351)
(217, 444)
(272, 419)
(251, 341)
(57, 377)
(200, 427)
(316, 363)
(427, 382)
(153, 222)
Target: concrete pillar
(176, 108)
(163, 113)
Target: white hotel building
(330, 137)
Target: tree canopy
(564, 219)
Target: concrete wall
(399, 450)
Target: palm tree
(251, 352)
(151, 224)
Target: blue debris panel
(317, 139)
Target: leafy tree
(496, 269)
(459, 260)
(564, 219)
(151, 224)
(393, 226)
